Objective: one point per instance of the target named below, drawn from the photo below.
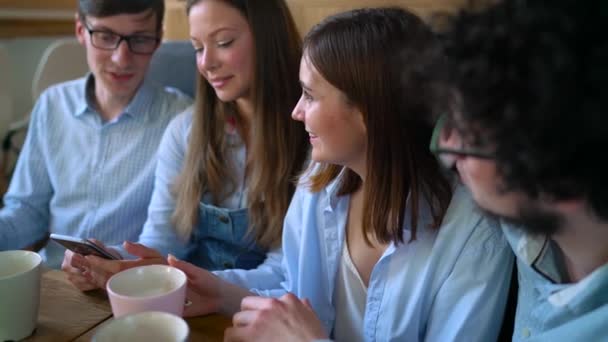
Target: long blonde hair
(277, 144)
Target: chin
(224, 98)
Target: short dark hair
(531, 76)
(106, 8)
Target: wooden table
(67, 314)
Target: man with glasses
(87, 165)
(529, 140)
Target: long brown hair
(382, 60)
(277, 145)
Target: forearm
(231, 296)
(17, 230)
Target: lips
(219, 82)
(121, 77)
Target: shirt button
(525, 332)
(223, 219)
(228, 265)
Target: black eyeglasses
(108, 40)
(447, 144)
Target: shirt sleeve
(470, 304)
(264, 280)
(158, 231)
(276, 275)
(25, 216)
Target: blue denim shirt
(548, 308)
(219, 240)
(450, 284)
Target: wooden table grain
(66, 314)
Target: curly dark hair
(530, 76)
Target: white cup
(144, 327)
(19, 294)
(148, 288)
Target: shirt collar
(537, 251)
(138, 108)
(424, 216)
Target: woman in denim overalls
(227, 166)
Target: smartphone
(81, 246)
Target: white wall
(24, 54)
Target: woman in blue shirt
(226, 167)
(377, 239)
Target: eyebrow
(194, 39)
(94, 27)
(305, 86)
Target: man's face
(118, 72)
(477, 170)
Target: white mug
(147, 288)
(144, 327)
(19, 294)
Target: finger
(289, 298)
(194, 273)
(98, 243)
(100, 270)
(244, 318)
(199, 305)
(307, 304)
(81, 282)
(98, 264)
(140, 250)
(73, 261)
(257, 303)
(78, 261)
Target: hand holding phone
(82, 246)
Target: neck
(245, 109)
(583, 240)
(359, 168)
(109, 105)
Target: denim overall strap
(220, 240)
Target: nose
(207, 61)
(450, 139)
(121, 56)
(298, 113)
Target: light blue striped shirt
(548, 308)
(80, 176)
(449, 284)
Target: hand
(74, 265)
(99, 270)
(271, 319)
(203, 288)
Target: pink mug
(147, 288)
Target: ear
(79, 29)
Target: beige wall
(306, 13)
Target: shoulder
(171, 98)
(60, 100)
(466, 225)
(180, 126)
(73, 90)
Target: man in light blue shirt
(87, 165)
(530, 143)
